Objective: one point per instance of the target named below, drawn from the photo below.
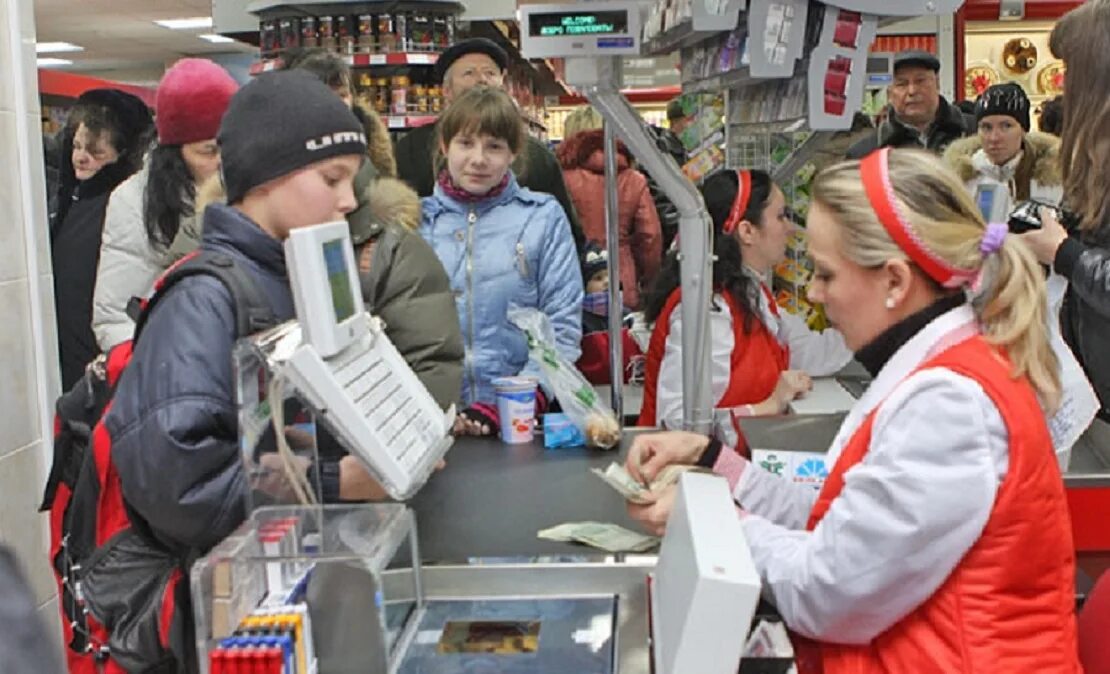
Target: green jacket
(404, 284)
(535, 168)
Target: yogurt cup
(516, 406)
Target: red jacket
(641, 237)
(1009, 605)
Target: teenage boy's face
(478, 162)
(320, 192)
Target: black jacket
(173, 421)
(75, 253)
(668, 143)
(950, 124)
(536, 168)
(1085, 316)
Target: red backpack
(124, 605)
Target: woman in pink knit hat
(151, 220)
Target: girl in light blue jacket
(501, 245)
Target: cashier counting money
(940, 541)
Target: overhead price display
(566, 24)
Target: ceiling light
(186, 24)
(218, 39)
(51, 62)
(55, 47)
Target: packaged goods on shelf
(420, 31)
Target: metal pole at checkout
(612, 234)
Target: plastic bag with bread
(578, 398)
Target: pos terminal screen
(335, 262)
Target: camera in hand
(1027, 215)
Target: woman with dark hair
(761, 358)
(152, 220)
(1082, 255)
(102, 144)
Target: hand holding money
(619, 479)
(651, 453)
(604, 536)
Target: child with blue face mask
(594, 362)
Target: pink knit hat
(191, 100)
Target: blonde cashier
(761, 357)
(940, 541)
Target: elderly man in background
(467, 64)
(918, 116)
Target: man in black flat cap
(918, 116)
(465, 65)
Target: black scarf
(875, 355)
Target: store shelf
(776, 126)
(408, 121)
(679, 37)
(362, 61)
(715, 139)
(394, 59)
(801, 155)
(728, 80)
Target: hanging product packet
(578, 398)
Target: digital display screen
(578, 24)
(984, 198)
(335, 261)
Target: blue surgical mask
(596, 303)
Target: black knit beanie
(279, 123)
(1004, 99)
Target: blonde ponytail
(1008, 296)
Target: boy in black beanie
(290, 149)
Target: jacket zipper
(471, 219)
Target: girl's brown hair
(1010, 305)
(483, 110)
(1082, 39)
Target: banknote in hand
(617, 477)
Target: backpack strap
(252, 311)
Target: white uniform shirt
(817, 353)
(909, 511)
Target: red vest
(757, 360)
(1009, 605)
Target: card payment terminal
(351, 374)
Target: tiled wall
(28, 351)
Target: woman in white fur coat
(1023, 164)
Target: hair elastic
(875, 174)
(993, 238)
(740, 203)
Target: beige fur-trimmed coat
(1033, 174)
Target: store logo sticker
(810, 469)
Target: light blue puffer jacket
(515, 248)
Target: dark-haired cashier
(761, 357)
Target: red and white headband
(740, 203)
(875, 174)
